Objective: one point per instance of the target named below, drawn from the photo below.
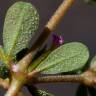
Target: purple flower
(57, 40)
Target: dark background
(79, 24)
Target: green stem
(18, 80)
(15, 87)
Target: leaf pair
(21, 22)
(68, 57)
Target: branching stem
(17, 84)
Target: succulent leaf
(20, 24)
(68, 57)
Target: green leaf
(38, 60)
(90, 1)
(4, 71)
(68, 57)
(20, 24)
(3, 57)
(93, 64)
(1, 53)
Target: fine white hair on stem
(15, 68)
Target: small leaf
(1, 53)
(82, 91)
(4, 71)
(68, 57)
(43, 93)
(3, 57)
(36, 92)
(90, 1)
(93, 64)
(20, 24)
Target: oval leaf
(20, 24)
(68, 57)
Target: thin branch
(60, 78)
(52, 23)
(59, 14)
(87, 78)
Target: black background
(79, 24)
